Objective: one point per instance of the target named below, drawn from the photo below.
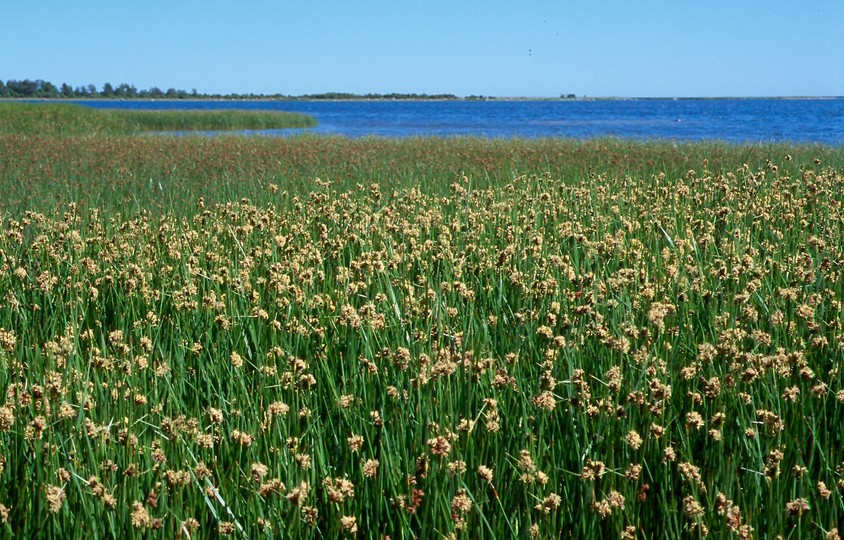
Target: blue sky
(624, 48)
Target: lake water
(732, 120)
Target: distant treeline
(45, 89)
(39, 89)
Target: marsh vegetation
(321, 337)
(67, 119)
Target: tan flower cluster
(483, 345)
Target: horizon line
(407, 96)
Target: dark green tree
(126, 91)
(47, 89)
(22, 89)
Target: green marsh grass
(161, 173)
(69, 119)
(320, 337)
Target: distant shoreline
(39, 89)
(421, 99)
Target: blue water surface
(731, 120)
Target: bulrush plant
(606, 355)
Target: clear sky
(624, 48)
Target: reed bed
(426, 338)
(67, 119)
